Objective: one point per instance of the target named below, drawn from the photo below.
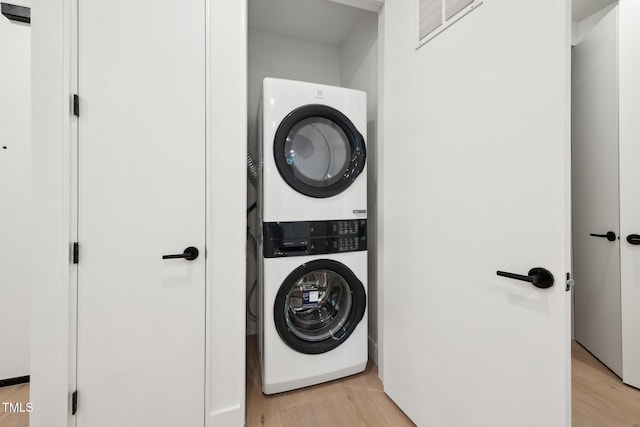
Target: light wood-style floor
(14, 394)
(599, 399)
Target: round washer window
(318, 151)
(318, 306)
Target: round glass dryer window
(318, 306)
(318, 151)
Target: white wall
(272, 55)
(628, 47)
(580, 28)
(15, 194)
(53, 292)
(359, 70)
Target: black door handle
(538, 277)
(634, 239)
(189, 254)
(611, 236)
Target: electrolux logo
(17, 408)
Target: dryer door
(318, 151)
(318, 306)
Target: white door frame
(54, 277)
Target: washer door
(318, 151)
(318, 306)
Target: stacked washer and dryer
(312, 243)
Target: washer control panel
(282, 239)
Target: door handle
(189, 254)
(538, 277)
(634, 239)
(611, 236)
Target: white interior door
(141, 318)
(476, 175)
(629, 185)
(596, 259)
(15, 195)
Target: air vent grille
(430, 16)
(437, 15)
(455, 6)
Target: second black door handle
(634, 239)
(610, 236)
(538, 277)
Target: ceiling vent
(435, 16)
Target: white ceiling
(319, 21)
(583, 8)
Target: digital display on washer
(282, 239)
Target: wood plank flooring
(14, 394)
(599, 399)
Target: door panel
(629, 181)
(15, 195)
(141, 318)
(475, 180)
(596, 260)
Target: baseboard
(13, 381)
(230, 416)
(373, 350)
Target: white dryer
(313, 151)
(313, 313)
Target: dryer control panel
(282, 239)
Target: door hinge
(74, 402)
(570, 282)
(16, 13)
(76, 252)
(76, 105)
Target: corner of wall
(379, 256)
(575, 33)
(580, 29)
(359, 70)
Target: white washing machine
(313, 152)
(313, 313)
(312, 245)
